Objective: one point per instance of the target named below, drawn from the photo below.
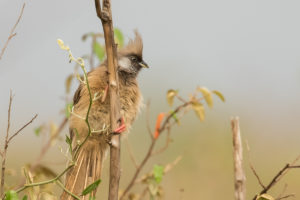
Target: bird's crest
(134, 46)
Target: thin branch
(286, 196)
(277, 177)
(165, 124)
(12, 34)
(138, 170)
(45, 149)
(132, 157)
(283, 191)
(257, 177)
(240, 178)
(253, 169)
(67, 191)
(44, 182)
(168, 141)
(5, 146)
(16, 133)
(143, 194)
(148, 120)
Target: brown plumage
(90, 157)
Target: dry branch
(12, 34)
(277, 177)
(165, 125)
(7, 141)
(105, 15)
(239, 174)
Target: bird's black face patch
(131, 63)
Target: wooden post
(239, 174)
(105, 15)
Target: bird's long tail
(87, 170)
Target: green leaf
(264, 197)
(170, 96)
(219, 94)
(174, 116)
(99, 51)
(199, 110)
(69, 142)
(92, 198)
(119, 38)
(68, 109)
(25, 197)
(158, 172)
(11, 195)
(38, 130)
(91, 187)
(207, 96)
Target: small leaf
(11, 195)
(25, 197)
(158, 172)
(159, 119)
(170, 96)
(219, 94)
(38, 130)
(91, 187)
(207, 96)
(174, 116)
(62, 45)
(69, 142)
(119, 38)
(264, 197)
(92, 198)
(99, 50)
(68, 109)
(199, 110)
(68, 82)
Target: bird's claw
(121, 128)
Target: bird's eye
(133, 58)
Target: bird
(90, 156)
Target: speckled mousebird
(89, 159)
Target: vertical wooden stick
(239, 174)
(105, 15)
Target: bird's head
(130, 58)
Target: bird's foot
(121, 128)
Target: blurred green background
(248, 50)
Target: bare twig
(256, 175)
(168, 140)
(286, 196)
(12, 34)
(105, 15)
(45, 149)
(167, 168)
(277, 177)
(149, 153)
(240, 178)
(148, 120)
(253, 169)
(132, 157)
(282, 192)
(16, 133)
(7, 140)
(5, 146)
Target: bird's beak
(143, 64)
